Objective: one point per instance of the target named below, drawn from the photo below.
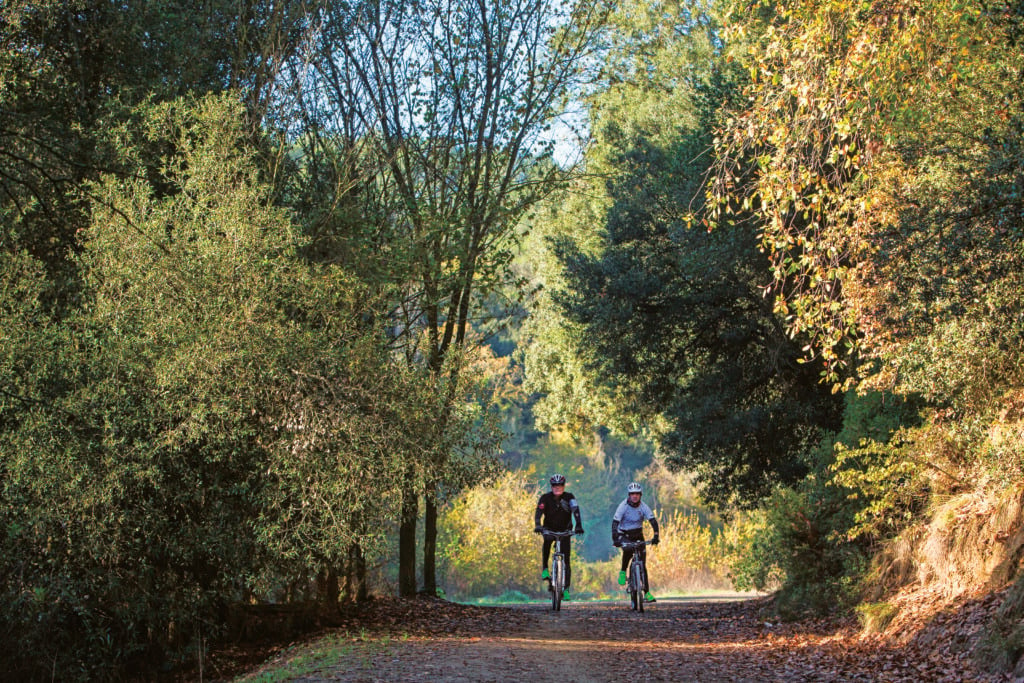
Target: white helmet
(634, 488)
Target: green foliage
(813, 541)
(201, 428)
(878, 152)
(487, 548)
(888, 236)
(885, 483)
(691, 555)
(748, 553)
(822, 569)
(74, 69)
(877, 465)
(649, 325)
(875, 616)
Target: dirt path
(595, 642)
(674, 640)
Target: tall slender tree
(456, 98)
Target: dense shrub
(813, 540)
(198, 431)
(487, 545)
(690, 557)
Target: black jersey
(557, 513)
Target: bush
(822, 567)
(206, 419)
(748, 557)
(792, 545)
(811, 541)
(487, 539)
(691, 556)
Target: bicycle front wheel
(557, 582)
(636, 586)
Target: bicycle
(556, 584)
(635, 575)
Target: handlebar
(557, 534)
(633, 545)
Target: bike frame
(557, 581)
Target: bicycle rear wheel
(557, 581)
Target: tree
(878, 148)
(455, 99)
(885, 140)
(202, 428)
(668, 323)
(73, 70)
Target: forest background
(305, 300)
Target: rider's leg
(545, 554)
(647, 586)
(627, 553)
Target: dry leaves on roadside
(675, 640)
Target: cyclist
(556, 511)
(628, 523)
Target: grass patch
(876, 616)
(308, 659)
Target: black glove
(654, 541)
(617, 541)
(579, 531)
(538, 529)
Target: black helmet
(557, 479)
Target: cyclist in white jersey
(628, 523)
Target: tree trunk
(430, 543)
(356, 589)
(358, 563)
(328, 588)
(407, 542)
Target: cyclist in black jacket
(556, 511)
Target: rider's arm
(576, 515)
(615, 532)
(538, 511)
